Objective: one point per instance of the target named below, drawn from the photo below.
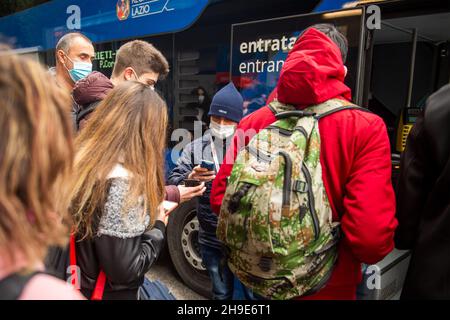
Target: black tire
(195, 279)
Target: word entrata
(266, 45)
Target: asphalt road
(164, 271)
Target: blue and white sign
(101, 20)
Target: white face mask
(221, 131)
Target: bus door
(406, 61)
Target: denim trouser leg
(220, 274)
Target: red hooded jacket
(355, 158)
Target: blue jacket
(191, 156)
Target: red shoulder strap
(99, 287)
(73, 260)
(97, 294)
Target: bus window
(260, 48)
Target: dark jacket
(192, 155)
(423, 204)
(122, 245)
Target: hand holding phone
(187, 193)
(191, 183)
(202, 174)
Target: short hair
(66, 40)
(336, 36)
(142, 57)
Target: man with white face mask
(225, 112)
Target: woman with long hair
(36, 155)
(117, 190)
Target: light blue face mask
(80, 70)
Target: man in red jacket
(355, 156)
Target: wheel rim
(189, 242)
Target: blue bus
(398, 55)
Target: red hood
(313, 72)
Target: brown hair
(142, 57)
(36, 154)
(130, 124)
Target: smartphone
(191, 183)
(169, 206)
(208, 165)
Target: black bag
(154, 290)
(12, 286)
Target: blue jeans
(220, 274)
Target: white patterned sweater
(114, 222)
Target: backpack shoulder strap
(283, 111)
(12, 286)
(271, 108)
(349, 107)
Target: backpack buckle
(300, 186)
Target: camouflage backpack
(276, 220)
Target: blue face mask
(80, 70)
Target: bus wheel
(182, 240)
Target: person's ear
(61, 56)
(346, 71)
(128, 74)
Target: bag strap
(99, 289)
(272, 109)
(12, 286)
(302, 113)
(349, 107)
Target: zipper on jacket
(312, 207)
